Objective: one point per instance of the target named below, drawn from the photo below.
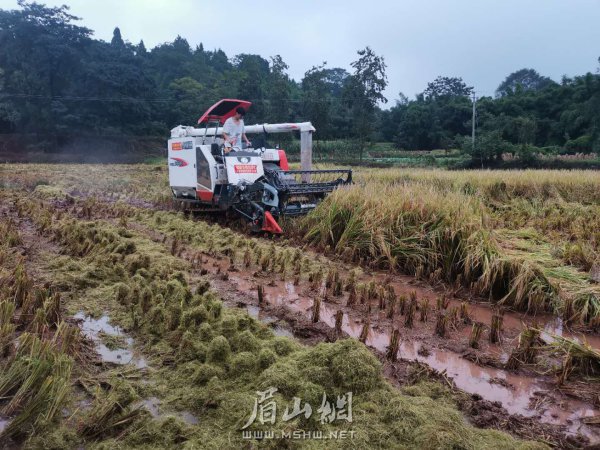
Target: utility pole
(473, 130)
(473, 123)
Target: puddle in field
(151, 404)
(93, 328)
(515, 392)
(188, 417)
(278, 330)
(3, 424)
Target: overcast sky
(481, 41)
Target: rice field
(528, 240)
(91, 243)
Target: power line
(164, 100)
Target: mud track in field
(524, 402)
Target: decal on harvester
(185, 145)
(178, 162)
(244, 168)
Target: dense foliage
(528, 110)
(59, 82)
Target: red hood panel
(223, 110)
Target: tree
(524, 80)
(253, 72)
(279, 91)
(9, 115)
(489, 146)
(56, 81)
(447, 87)
(364, 90)
(117, 40)
(187, 95)
(141, 49)
(42, 49)
(315, 98)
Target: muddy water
(3, 424)
(403, 285)
(516, 393)
(92, 328)
(279, 330)
(152, 405)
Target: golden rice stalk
(496, 328)
(442, 303)
(21, 284)
(364, 293)
(52, 310)
(7, 311)
(174, 246)
(351, 281)
(526, 350)
(339, 320)
(317, 281)
(392, 350)
(578, 356)
(316, 309)
(424, 310)
(453, 317)
(352, 297)
(475, 336)
(332, 277)
(46, 388)
(391, 308)
(441, 324)
(364, 334)
(382, 295)
(109, 414)
(410, 312)
(261, 294)
(402, 304)
(337, 288)
(465, 315)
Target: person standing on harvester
(233, 130)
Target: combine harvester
(253, 183)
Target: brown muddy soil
(524, 402)
(405, 371)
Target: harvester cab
(254, 183)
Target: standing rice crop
(417, 228)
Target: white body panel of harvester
(253, 184)
(243, 169)
(182, 163)
(194, 172)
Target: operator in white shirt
(233, 130)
